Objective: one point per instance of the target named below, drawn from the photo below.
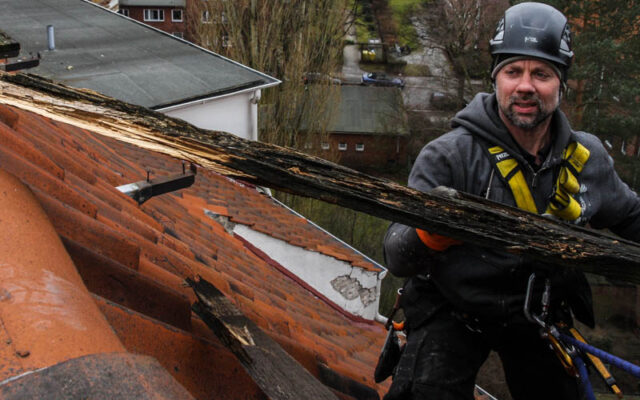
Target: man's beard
(544, 112)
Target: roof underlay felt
(133, 259)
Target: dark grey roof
(370, 110)
(106, 52)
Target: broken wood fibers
(272, 368)
(450, 213)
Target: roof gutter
(215, 97)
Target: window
(342, 146)
(206, 17)
(151, 14)
(124, 11)
(178, 35)
(325, 146)
(176, 15)
(225, 40)
(360, 147)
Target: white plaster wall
(229, 114)
(318, 270)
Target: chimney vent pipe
(51, 39)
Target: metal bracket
(21, 63)
(142, 191)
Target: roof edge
(212, 96)
(265, 257)
(382, 270)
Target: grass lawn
(403, 6)
(402, 10)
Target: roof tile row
(138, 256)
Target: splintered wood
(279, 376)
(446, 212)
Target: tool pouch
(389, 357)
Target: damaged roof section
(133, 259)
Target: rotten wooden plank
(278, 375)
(449, 213)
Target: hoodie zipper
(534, 174)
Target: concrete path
(351, 71)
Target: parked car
(381, 79)
(317, 77)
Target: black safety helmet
(536, 30)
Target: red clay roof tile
(77, 226)
(46, 310)
(37, 178)
(190, 359)
(8, 116)
(169, 238)
(132, 289)
(10, 141)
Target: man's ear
(563, 88)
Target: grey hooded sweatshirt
(489, 283)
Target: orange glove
(436, 242)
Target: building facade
(167, 15)
(367, 130)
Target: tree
(604, 89)
(285, 39)
(463, 29)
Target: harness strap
(562, 204)
(512, 173)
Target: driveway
(351, 71)
(418, 89)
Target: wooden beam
(446, 212)
(278, 375)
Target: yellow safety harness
(562, 204)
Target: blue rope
(584, 378)
(603, 355)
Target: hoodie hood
(481, 118)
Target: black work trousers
(447, 354)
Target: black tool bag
(389, 357)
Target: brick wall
(377, 150)
(168, 24)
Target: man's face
(528, 92)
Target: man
(514, 147)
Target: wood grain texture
(445, 212)
(278, 375)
